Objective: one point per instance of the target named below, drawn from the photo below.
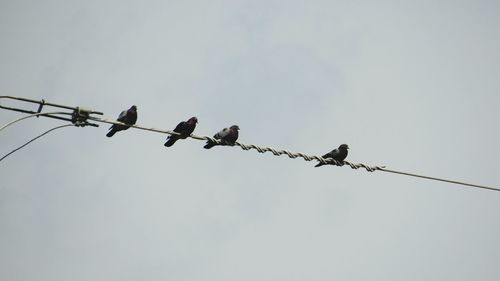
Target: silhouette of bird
(128, 117)
(338, 154)
(229, 136)
(185, 128)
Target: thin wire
(31, 115)
(439, 179)
(151, 129)
(35, 138)
(241, 145)
(249, 147)
(301, 155)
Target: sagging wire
(32, 115)
(35, 138)
(80, 115)
(300, 155)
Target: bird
(128, 116)
(338, 154)
(184, 128)
(227, 136)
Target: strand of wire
(297, 155)
(243, 146)
(252, 146)
(32, 115)
(439, 179)
(35, 138)
(258, 149)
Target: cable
(87, 112)
(301, 155)
(251, 146)
(31, 115)
(439, 179)
(35, 138)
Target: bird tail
(319, 164)
(170, 142)
(111, 132)
(209, 145)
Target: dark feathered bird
(338, 154)
(185, 128)
(128, 117)
(229, 136)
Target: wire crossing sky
(35, 138)
(243, 146)
(410, 85)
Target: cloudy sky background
(413, 85)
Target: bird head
(134, 108)
(343, 147)
(234, 127)
(193, 120)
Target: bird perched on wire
(185, 128)
(128, 117)
(227, 136)
(338, 154)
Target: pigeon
(128, 117)
(338, 154)
(185, 128)
(229, 136)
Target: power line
(35, 138)
(31, 115)
(301, 155)
(80, 116)
(251, 146)
(439, 179)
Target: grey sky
(413, 85)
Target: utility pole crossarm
(78, 115)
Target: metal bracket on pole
(79, 115)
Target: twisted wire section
(297, 155)
(252, 146)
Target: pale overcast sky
(413, 85)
